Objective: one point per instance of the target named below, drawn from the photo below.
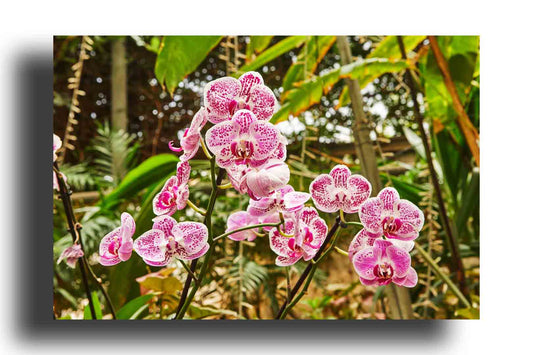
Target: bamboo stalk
(399, 300)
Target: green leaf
(97, 308)
(133, 306)
(309, 92)
(273, 52)
(181, 55)
(168, 284)
(198, 312)
(307, 61)
(468, 313)
(389, 48)
(462, 54)
(148, 172)
(257, 45)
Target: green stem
(74, 232)
(180, 313)
(246, 228)
(442, 275)
(313, 264)
(189, 271)
(196, 208)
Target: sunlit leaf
(273, 52)
(257, 45)
(389, 48)
(179, 56)
(133, 306)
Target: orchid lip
(174, 149)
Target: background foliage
(111, 171)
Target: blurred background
(118, 101)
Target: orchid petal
(218, 97)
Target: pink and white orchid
(175, 192)
(308, 232)
(190, 142)
(56, 145)
(391, 216)
(384, 263)
(363, 240)
(284, 200)
(117, 245)
(259, 182)
(340, 190)
(239, 220)
(243, 141)
(225, 96)
(168, 239)
(71, 255)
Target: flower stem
(189, 271)
(206, 151)
(74, 232)
(308, 272)
(341, 251)
(246, 228)
(229, 185)
(196, 208)
(186, 299)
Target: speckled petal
(388, 197)
(370, 215)
(409, 280)
(151, 245)
(193, 234)
(262, 101)
(267, 180)
(321, 193)
(340, 174)
(218, 97)
(400, 259)
(219, 137)
(359, 190)
(183, 171)
(266, 139)
(362, 240)
(248, 81)
(410, 213)
(165, 224)
(294, 201)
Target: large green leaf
(257, 45)
(309, 92)
(133, 306)
(97, 308)
(310, 55)
(179, 56)
(462, 53)
(388, 47)
(147, 173)
(273, 52)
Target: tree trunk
(399, 300)
(119, 89)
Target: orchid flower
(56, 145)
(224, 96)
(284, 200)
(175, 192)
(384, 263)
(340, 190)
(168, 239)
(117, 245)
(364, 239)
(242, 219)
(190, 142)
(71, 255)
(391, 216)
(259, 182)
(309, 232)
(243, 140)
